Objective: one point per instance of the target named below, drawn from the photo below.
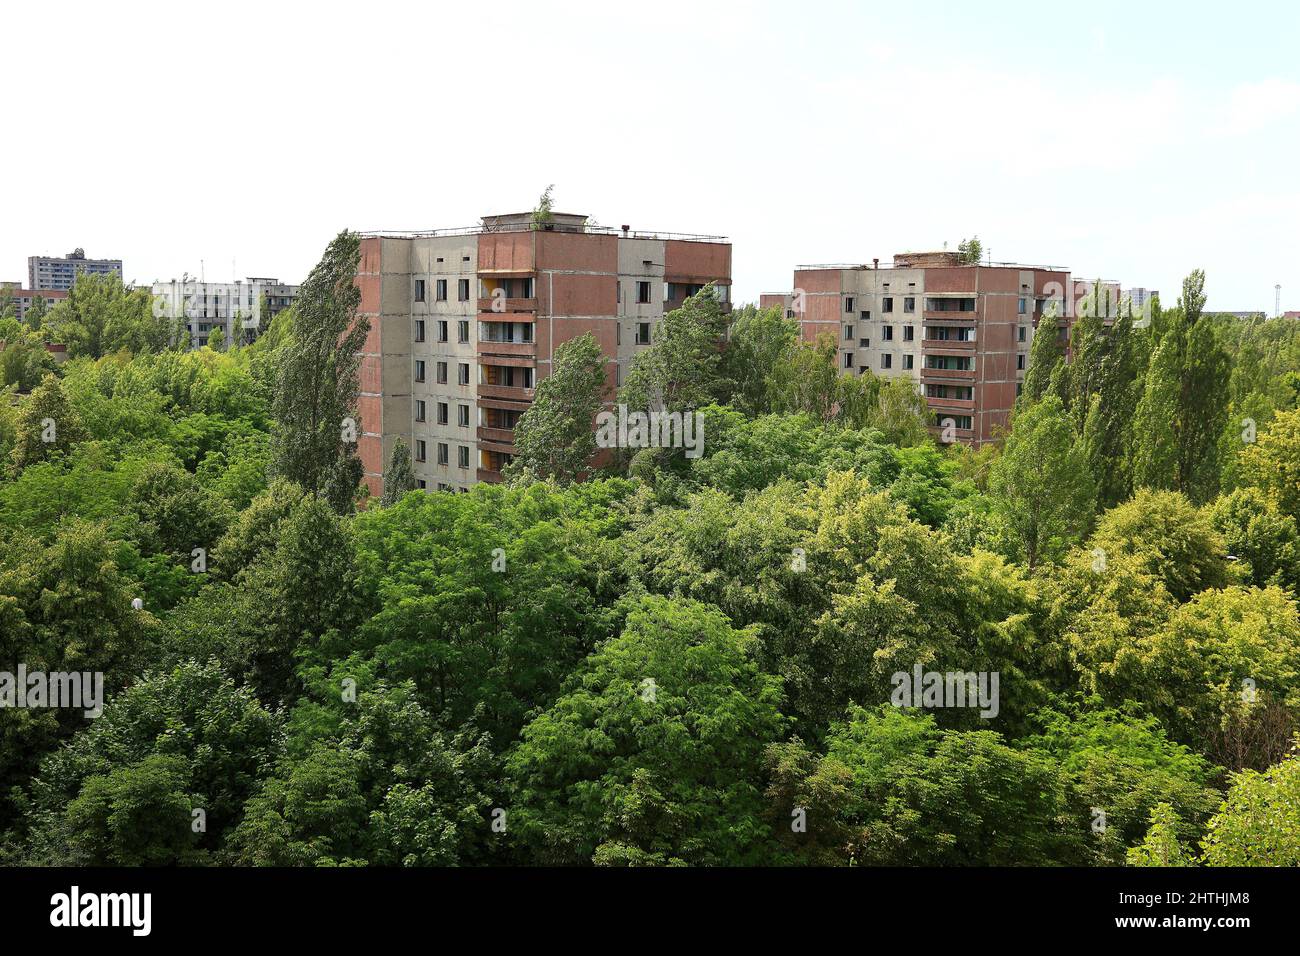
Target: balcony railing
(505, 306)
(508, 391)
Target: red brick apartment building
(961, 332)
(464, 324)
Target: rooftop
(523, 222)
(925, 260)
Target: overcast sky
(1118, 141)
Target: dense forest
(639, 657)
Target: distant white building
(207, 306)
(1140, 296)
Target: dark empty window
(848, 304)
(887, 304)
(419, 290)
(441, 290)
(643, 292)
(909, 303)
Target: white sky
(1130, 143)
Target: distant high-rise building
(48, 272)
(216, 305)
(1140, 296)
(961, 332)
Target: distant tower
(1277, 299)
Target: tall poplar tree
(316, 421)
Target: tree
(1045, 355)
(681, 371)
(400, 478)
(1041, 484)
(1161, 846)
(542, 214)
(1256, 532)
(316, 427)
(47, 424)
(554, 439)
(653, 755)
(1258, 825)
(807, 380)
(971, 251)
(100, 315)
(1179, 421)
(758, 341)
(1170, 538)
(1273, 462)
(894, 790)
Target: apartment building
(23, 299)
(47, 272)
(207, 306)
(960, 332)
(464, 324)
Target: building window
(441, 290)
(419, 330)
(419, 290)
(462, 373)
(442, 330)
(442, 373)
(643, 292)
(1020, 363)
(421, 484)
(1020, 306)
(887, 333)
(421, 450)
(419, 370)
(848, 304)
(462, 456)
(419, 410)
(643, 333)
(909, 303)
(462, 290)
(1021, 333)
(848, 333)
(462, 416)
(887, 304)
(908, 333)
(462, 331)
(442, 413)
(442, 453)
(886, 361)
(907, 361)
(618, 334)
(866, 314)
(848, 360)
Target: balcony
(505, 306)
(491, 477)
(939, 405)
(938, 346)
(509, 392)
(948, 374)
(499, 436)
(526, 349)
